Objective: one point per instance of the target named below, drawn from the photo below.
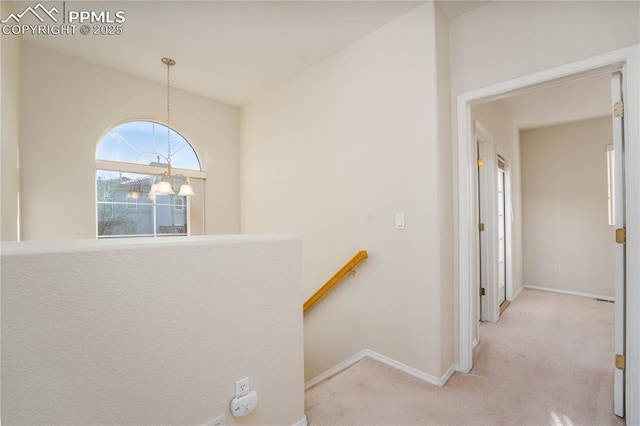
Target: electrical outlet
(557, 269)
(221, 420)
(243, 386)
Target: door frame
(627, 58)
(488, 308)
(508, 222)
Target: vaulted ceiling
(230, 51)
(233, 51)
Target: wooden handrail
(355, 260)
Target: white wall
(506, 39)
(9, 128)
(564, 197)
(445, 199)
(122, 340)
(68, 103)
(332, 155)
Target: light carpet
(548, 361)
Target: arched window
(129, 158)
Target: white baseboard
(517, 293)
(385, 360)
(573, 293)
(447, 375)
(474, 343)
(410, 370)
(336, 369)
(301, 422)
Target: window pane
(124, 207)
(145, 142)
(124, 221)
(171, 221)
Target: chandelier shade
(186, 190)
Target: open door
(481, 271)
(502, 234)
(618, 214)
(487, 225)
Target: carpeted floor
(548, 361)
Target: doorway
(561, 220)
(623, 59)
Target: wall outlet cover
(221, 420)
(243, 386)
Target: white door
(619, 217)
(502, 233)
(486, 225)
(481, 270)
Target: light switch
(399, 221)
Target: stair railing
(334, 280)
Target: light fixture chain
(169, 114)
(164, 184)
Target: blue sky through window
(141, 142)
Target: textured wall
(9, 128)
(151, 332)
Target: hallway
(548, 361)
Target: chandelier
(163, 184)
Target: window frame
(146, 169)
(116, 167)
